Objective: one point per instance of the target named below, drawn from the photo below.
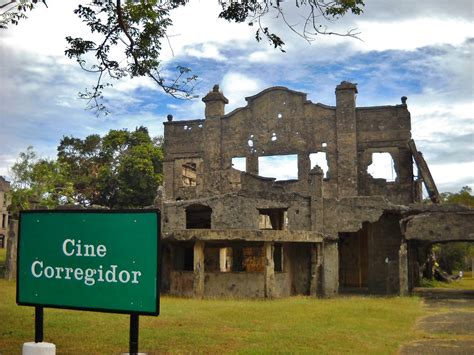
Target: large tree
(138, 28)
(122, 169)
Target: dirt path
(450, 325)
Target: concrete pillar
(316, 191)
(346, 133)
(198, 269)
(304, 166)
(38, 349)
(330, 272)
(315, 269)
(252, 164)
(12, 240)
(269, 270)
(168, 180)
(403, 268)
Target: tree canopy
(122, 169)
(137, 28)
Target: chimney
(215, 102)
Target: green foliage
(458, 255)
(38, 183)
(120, 170)
(463, 197)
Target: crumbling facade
(4, 202)
(236, 233)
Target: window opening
(320, 159)
(189, 174)
(225, 259)
(382, 167)
(184, 258)
(278, 257)
(281, 167)
(198, 217)
(239, 163)
(273, 219)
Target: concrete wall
(234, 284)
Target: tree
(38, 183)
(122, 169)
(456, 256)
(119, 170)
(138, 28)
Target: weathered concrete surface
(245, 235)
(207, 199)
(451, 326)
(440, 227)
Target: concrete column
(304, 166)
(12, 239)
(403, 268)
(315, 269)
(316, 191)
(168, 180)
(330, 272)
(346, 133)
(269, 270)
(198, 269)
(252, 164)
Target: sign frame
(155, 211)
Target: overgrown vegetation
(122, 169)
(356, 325)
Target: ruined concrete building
(4, 202)
(236, 233)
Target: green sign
(92, 260)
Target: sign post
(96, 260)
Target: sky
(419, 49)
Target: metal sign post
(134, 329)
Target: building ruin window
(278, 257)
(382, 167)
(189, 174)
(273, 218)
(184, 258)
(198, 217)
(320, 159)
(4, 220)
(280, 167)
(239, 163)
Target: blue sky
(422, 50)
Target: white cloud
(236, 86)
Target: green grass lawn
(466, 283)
(298, 324)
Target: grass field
(357, 325)
(466, 283)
